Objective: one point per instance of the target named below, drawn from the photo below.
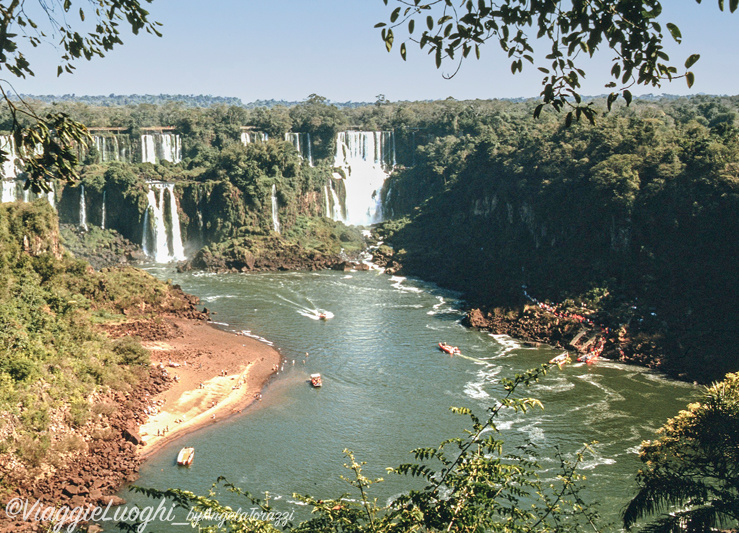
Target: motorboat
(560, 360)
(315, 380)
(186, 456)
(451, 350)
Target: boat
(451, 350)
(588, 357)
(315, 380)
(322, 316)
(560, 360)
(186, 456)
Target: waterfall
(83, 210)
(10, 188)
(13, 191)
(178, 250)
(171, 147)
(158, 243)
(275, 218)
(334, 211)
(148, 149)
(248, 137)
(310, 153)
(302, 147)
(366, 157)
(160, 147)
(7, 144)
(102, 217)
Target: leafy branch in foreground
(45, 146)
(451, 30)
(471, 485)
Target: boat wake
(314, 313)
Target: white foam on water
(398, 284)
(251, 335)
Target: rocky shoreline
(532, 324)
(92, 478)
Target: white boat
(315, 380)
(186, 456)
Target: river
(388, 389)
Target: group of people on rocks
(597, 350)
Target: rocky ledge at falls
(101, 248)
(259, 254)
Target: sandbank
(216, 374)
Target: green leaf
(402, 51)
(537, 111)
(690, 78)
(411, 25)
(395, 14)
(692, 59)
(675, 32)
(733, 4)
(627, 97)
(430, 22)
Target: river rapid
(387, 389)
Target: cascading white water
(275, 218)
(157, 244)
(310, 152)
(171, 147)
(367, 158)
(248, 137)
(178, 250)
(13, 192)
(7, 144)
(301, 142)
(102, 215)
(10, 188)
(160, 147)
(148, 149)
(333, 205)
(83, 209)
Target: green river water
(388, 389)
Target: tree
(45, 144)
(630, 29)
(692, 469)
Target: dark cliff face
(661, 238)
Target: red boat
(451, 350)
(588, 357)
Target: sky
(289, 49)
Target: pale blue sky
(288, 49)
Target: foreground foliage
(450, 31)
(470, 484)
(690, 478)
